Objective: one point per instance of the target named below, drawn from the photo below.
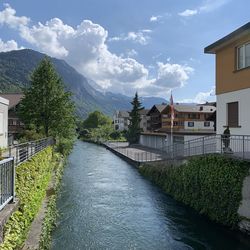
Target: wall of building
(3, 122)
(199, 126)
(243, 97)
(228, 78)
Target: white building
(121, 120)
(4, 103)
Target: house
(196, 119)
(144, 119)
(4, 103)
(121, 120)
(190, 122)
(155, 117)
(233, 80)
(15, 125)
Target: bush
(211, 185)
(32, 178)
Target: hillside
(16, 67)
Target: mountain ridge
(16, 67)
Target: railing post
(243, 147)
(203, 145)
(13, 179)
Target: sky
(153, 47)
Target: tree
(46, 106)
(133, 133)
(96, 119)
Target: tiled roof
(14, 99)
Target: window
(190, 124)
(243, 56)
(206, 124)
(233, 114)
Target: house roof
(123, 113)
(194, 108)
(243, 30)
(14, 99)
(143, 111)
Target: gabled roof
(143, 111)
(243, 30)
(194, 108)
(122, 114)
(159, 108)
(14, 99)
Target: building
(15, 125)
(233, 80)
(121, 120)
(4, 103)
(190, 122)
(155, 117)
(189, 119)
(144, 119)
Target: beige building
(4, 103)
(233, 80)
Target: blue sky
(148, 46)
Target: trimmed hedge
(212, 185)
(49, 222)
(32, 178)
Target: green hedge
(51, 214)
(211, 185)
(32, 179)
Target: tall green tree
(46, 106)
(134, 130)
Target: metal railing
(237, 146)
(7, 181)
(24, 151)
(17, 154)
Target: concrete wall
(3, 122)
(154, 141)
(228, 78)
(244, 209)
(241, 96)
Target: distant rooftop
(14, 99)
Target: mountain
(16, 67)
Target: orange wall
(228, 78)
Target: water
(106, 204)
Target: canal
(106, 204)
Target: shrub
(211, 185)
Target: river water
(106, 204)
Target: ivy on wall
(32, 178)
(212, 185)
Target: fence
(17, 154)
(7, 173)
(237, 146)
(24, 151)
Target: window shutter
(233, 114)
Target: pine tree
(46, 105)
(134, 130)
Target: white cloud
(85, 48)
(202, 97)
(169, 76)
(8, 17)
(8, 46)
(207, 6)
(155, 18)
(140, 37)
(132, 53)
(188, 12)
